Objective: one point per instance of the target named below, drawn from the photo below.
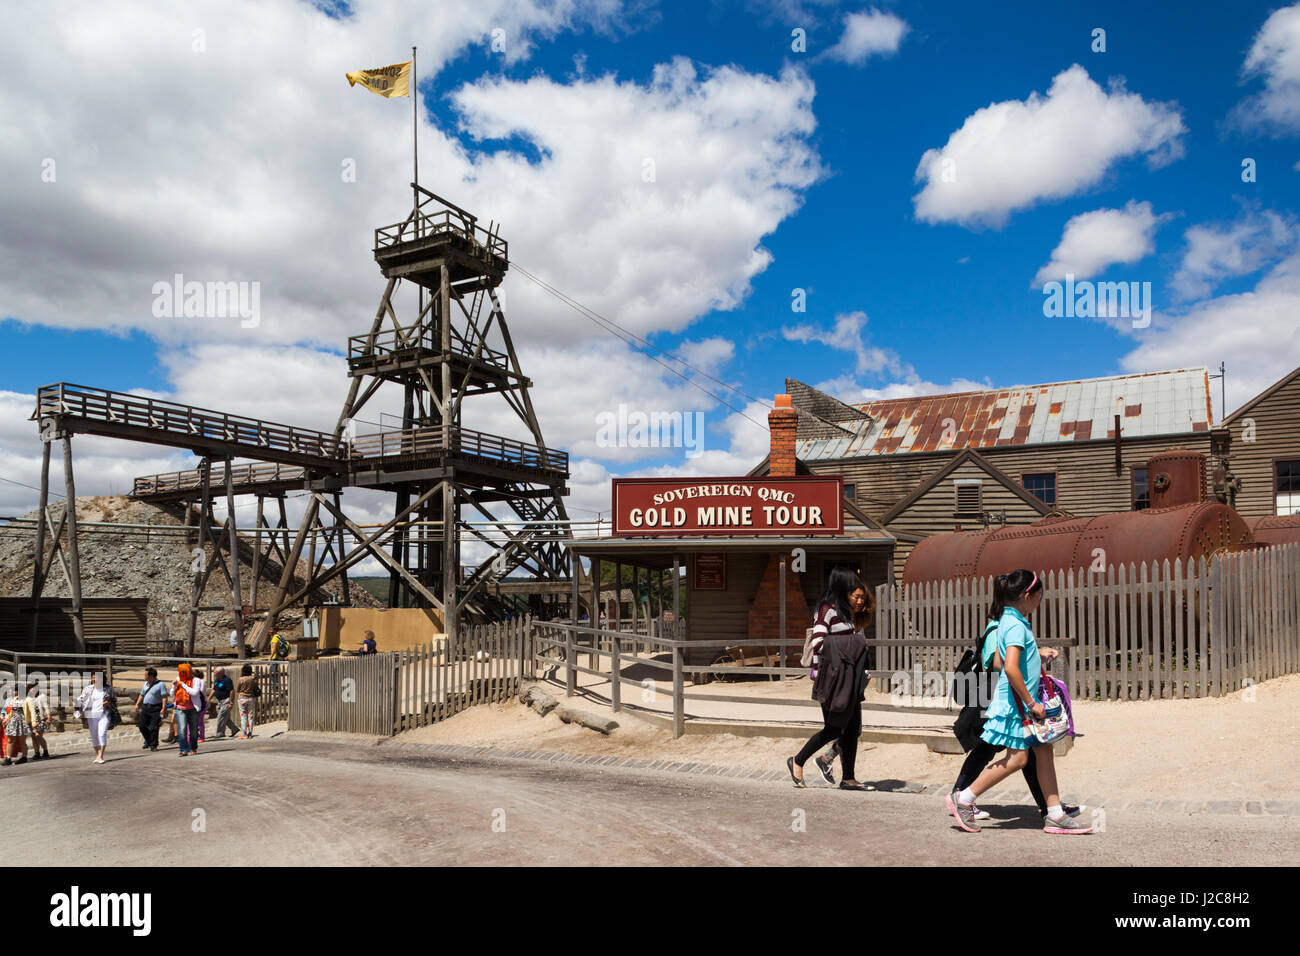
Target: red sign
(701, 507)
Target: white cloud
(1274, 57)
(1254, 332)
(1216, 252)
(1013, 154)
(232, 170)
(847, 335)
(867, 34)
(851, 392)
(1094, 241)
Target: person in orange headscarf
(187, 691)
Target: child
(1016, 597)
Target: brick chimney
(782, 422)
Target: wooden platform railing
(172, 419)
(389, 343)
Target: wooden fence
(1203, 628)
(480, 665)
(344, 694)
(384, 694)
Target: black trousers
(982, 755)
(150, 720)
(844, 728)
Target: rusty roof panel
(1155, 403)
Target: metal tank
(1121, 537)
(1275, 529)
(1185, 526)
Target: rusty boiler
(1181, 524)
(1275, 529)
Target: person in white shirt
(94, 703)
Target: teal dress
(1002, 728)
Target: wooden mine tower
(448, 480)
(456, 347)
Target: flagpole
(415, 130)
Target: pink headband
(1031, 585)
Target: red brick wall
(765, 614)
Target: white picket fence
(1203, 628)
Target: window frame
(1056, 486)
(1132, 486)
(1274, 491)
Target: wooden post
(236, 593)
(74, 559)
(338, 526)
(678, 693)
(38, 568)
(257, 561)
(616, 684)
(781, 615)
(200, 575)
(595, 602)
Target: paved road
(291, 800)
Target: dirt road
(290, 800)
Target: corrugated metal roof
(1153, 403)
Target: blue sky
(920, 303)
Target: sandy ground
(1230, 748)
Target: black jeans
(149, 722)
(840, 727)
(982, 755)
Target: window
(968, 501)
(1041, 486)
(851, 491)
(1287, 486)
(1141, 489)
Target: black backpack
(969, 672)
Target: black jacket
(842, 673)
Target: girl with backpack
(982, 675)
(1016, 597)
(840, 674)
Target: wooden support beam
(74, 556)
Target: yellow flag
(387, 81)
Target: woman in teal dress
(1016, 597)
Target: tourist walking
(223, 691)
(1016, 597)
(186, 690)
(17, 727)
(246, 692)
(970, 722)
(863, 606)
(201, 704)
(841, 676)
(149, 708)
(95, 703)
(38, 716)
